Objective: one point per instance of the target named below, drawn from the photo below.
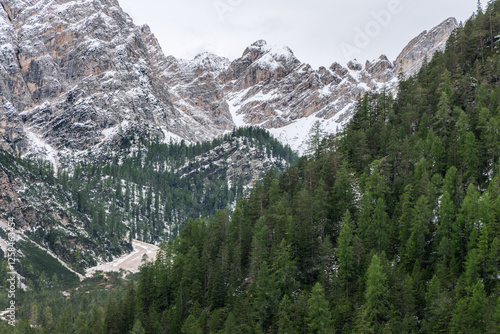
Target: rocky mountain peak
(381, 69)
(211, 61)
(354, 65)
(80, 75)
(424, 46)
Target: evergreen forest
(391, 226)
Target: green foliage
(318, 315)
(375, 311)
(155, 189)
(401, 237)
(36, 265)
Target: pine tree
(283, 268)
(458, 321)
(443, 116)
(314, 142)
(264, 302)
(376, 308)
(319, 317)
(496, 317)
(230, 326)
(381, 230)
(476, 311)
(138, 329)
(34, 315)
(191, 326)
(437, 306)
(406, 215)
(326, 262)
(285, 317)
(48, 319)
(415, 249)
(346, 261)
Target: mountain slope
(269, 87)
(73, 71)
(78, 75)
(146, 191)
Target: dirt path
(129, 262)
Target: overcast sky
(319, 32)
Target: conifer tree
(375, 311)
(458, 321)
(476, 311)
(381, 227)
(265, 297)
(285, 320)
(436, 308)
(191, 326)
(319, 317)
(496, 317)
(346, 261)
(415, 249)
(138, 329)
(283, 268)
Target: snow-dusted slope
(70, 71)
(79, 76)
(269, 87)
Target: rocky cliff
(75, 74)
(78, 75)
(269, 87)
(424, 45)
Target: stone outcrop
(424, 46)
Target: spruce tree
(375, 311)
(318, 315)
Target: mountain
(391, 227)
(76, 76)
(82, 87)
(269, 87)
(139, 142)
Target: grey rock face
(73, 71)
(77, 75)
(424, 46)
(269, 87)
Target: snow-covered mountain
(269, 87)
(77, 76)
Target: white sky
(315, 30)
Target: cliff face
(79, 75)
(424, 45)
(74, 71)
(269, 87)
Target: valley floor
(128, 262)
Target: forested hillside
(149, 189)
(88, 214)
(393, 226)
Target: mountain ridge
(73, 71)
